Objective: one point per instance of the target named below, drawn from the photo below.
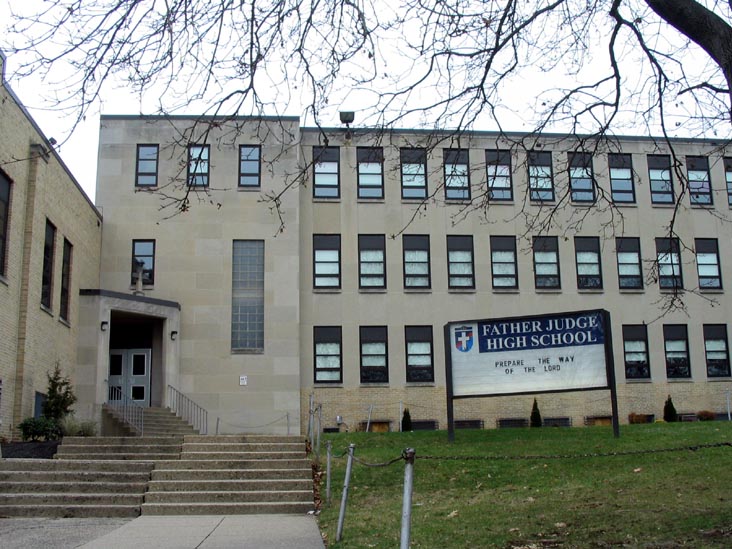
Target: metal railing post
(328, 449)
(344, 497)
(407, 498)
(368, 421)
(287, 417)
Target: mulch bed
(36, 450)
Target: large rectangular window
(249, 166)
(504, 266)
(143, 261)
(420, 355)
(668, 258)
(63, 311)
(371, 261)
(326, 261)
(635, 350)
(589, 268)
(460, 262)
(374, 354)
(622, 187)
(414, 173)
(146, 174)
(247, 296)
(4, 222)
(700, 185)
(541, 181)
(457, 174)
(370, 172)
(546, 262)
(676, 346)
(49, 250)
(581, 186)
(707, 263)
(416, 260)
(198, 165)
(659, 173)
(728, 178)
(327, 353)
(326, 177)
(498, 174)
(716, 350)
(630, 272)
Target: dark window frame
(581, 187)
(66, 267)
(460, 243)
(250, 175)
(540, 159)
(326, 242)
(622, 189)
(413, 157)
(504, 244)
(247, 295)
(700, 190)
(669, 247)
(546, 244)
(419, 373)
(6, 194)
(195, 162)
(321, 156)
(636, 369)
(49, 258)
(373, 335)
(717, 365)
(327, 335)
(728, 178)
(589, 245)
(369, 156)
(496, 160)
(416, 243)
(710, 247)
(626, 246)
(143, 174)
(662, 190)
(451, 160)
(678, 362)
(146, 280)
(373, 243)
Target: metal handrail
(126, 410)
(186, 409)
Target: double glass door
(129, 375)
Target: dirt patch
(35, 450)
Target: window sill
(145, 287)
(145, 188)
(495, 202)
(372, 290)
(415, 200)
(368, 385)
(64, 322)
(711, 290)
(662, 205)
(324, 200)
(590, 290)
(461, 290)
(625, 204)
(327, 290)
(457, 201)
(680, 380)
(46, 310)
(417, 384)
(548, 290)
(328, 385)
(702, 206)
(247, 351)
(417, 290)
(640, 381)
(249, 189)
(506, 291)
(371, 201)
(631, 290)
(720, 379)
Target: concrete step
(72, 476)
(199, 496)
(46, 487)
(233, 464)
(226, 508)
(127, 441)
(70, 498)
(252, 485)
(271, 447)
(224, 456)
(232, 474)
(110, 466)
(66, 449)
(117, 456)
(70, 511)
(174, 430)
(233, 439)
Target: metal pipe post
(287, 417)
(407, 498)
(344, 497)
(401, 414)
(218, 420)
(329, 452)
(368, 422)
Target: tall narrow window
(414, 173)
(622, 187)
(581, 186)
(143, 261)
(326, 163)
(668, 258)
(374, 354)
(371, 261)
(49, 249)
(676, 346)
(457, 174)
(198, 165)
(707, 263)
(327, 351)
(370, 172)
(326, 261)
(546, 262)
(728, 178)
(460, 262)
(247, 296)
(503, 262)
(541, 181)
(147, 166)
(4, 222)
(630, 273)
(635, 349)
(659, 173)
(63, 311)
(700, 185)
(716, 350)
(589, 269)
(498, 174)
(416, 260)
(250, 166)
(420, 356)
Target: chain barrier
(385, 464)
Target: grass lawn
(655, 499)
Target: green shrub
(706, 415)
(40, 428)
(535, 420)
(60, 397)
(406, 421)
(669, 411)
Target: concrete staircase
(120, 448)
(156, 422)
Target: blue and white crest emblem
(464, 338)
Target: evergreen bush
(59, 397)
(406, 421)
(669, 411)
(535, 420)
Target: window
(420, 360)
(716, 351)
(4, 222)
(414, 173)
(700, 186)
(457, 174)
(460, 262)
(326, 261)
(541, 183)
(326, 161)
(707, 263)
(416, 260)
(198, 165)
(247, 296)
(630, 273)
(147, 166)
(143, 261)
(676, 345)
(371, 261)
(587, 255)
(728, 178)
(635, 350)
(622, 187)
(581, 186)
(503, 262)
(546, 262)
(669, 263)
(249, 166)
(374, 355)
(65, 280)
(498, 173)
(370, 172)
(659, 173)
(49, 249)
(327, 353)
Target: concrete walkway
(164, 532)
